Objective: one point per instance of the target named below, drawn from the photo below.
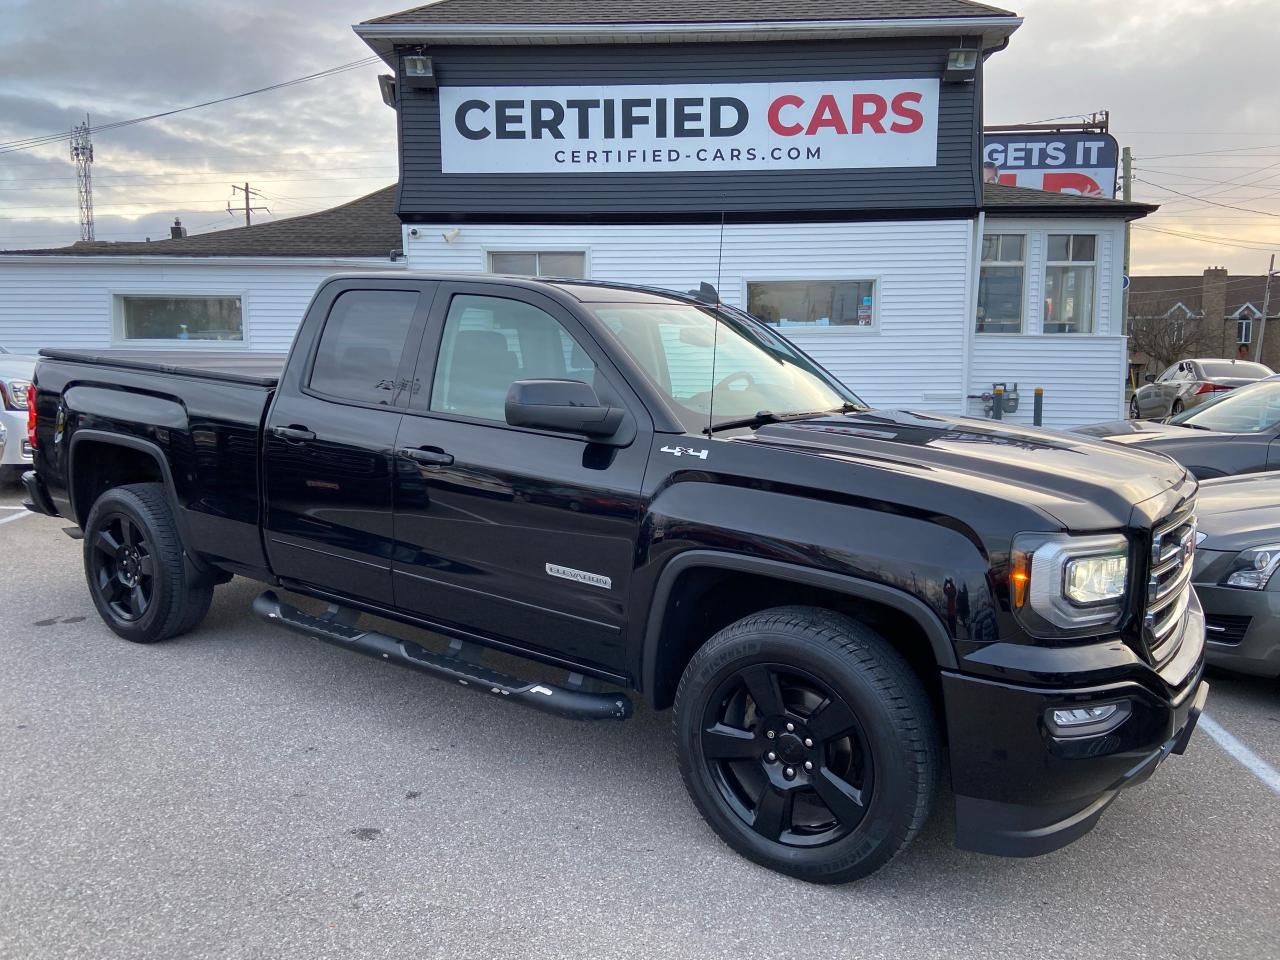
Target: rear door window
(362, 344)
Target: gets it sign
(1083, 163)
(655, 128)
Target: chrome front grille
(1173, 547)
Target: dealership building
(820, 163)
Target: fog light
(1087, 721)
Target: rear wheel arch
(700, 592)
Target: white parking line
(1251, 761)
(15, 516)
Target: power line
(1262, 245)
(1214, 203)
(13, 146)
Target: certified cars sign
(1081, 163)
(678, 127)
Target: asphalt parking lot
(245, 793)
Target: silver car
(15, 376)
(1189, 383)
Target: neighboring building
(1211, 315)
(244, 288)
(819, 162)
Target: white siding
(1083, 375)
(914, 358)
(67, 302)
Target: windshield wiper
(768, 416)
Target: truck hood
(1074, 479)
(1143, 431)
(1236, 513)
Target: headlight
(15, 393)
(1060, 583)
(1252, 569)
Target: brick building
(1211, 315)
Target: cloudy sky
(1189, 84)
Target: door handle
(430, 456)
(294, 433)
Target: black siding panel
(951, 188)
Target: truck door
(524, 535)
(330, 437)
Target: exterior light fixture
(962, 66)
(418, 71)
(387, 84)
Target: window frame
(1096, 286)
(875, 279)
(1022, 300)
(408, 360)
(537, 252)
(428, 357)
(118, 338)
(1244, 322)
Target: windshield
(1250, 409)
(1240, 369)
(755, 370)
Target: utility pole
(248, 210)
(1126, 191)
(82, 156)
(1266, 305)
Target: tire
(1134, 412)
(1176, 409)
(135, 569)
(859, 716)
(12, 476)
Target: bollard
(997, 404)
(1037, 415)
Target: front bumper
(1243, 630)
(1021, 790)
(17, 451)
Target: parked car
(1189, 383)
(549, 468)
(1235, 566)
(1236, 432)
(15, 377)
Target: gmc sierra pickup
(656, 493)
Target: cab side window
(361, 345)
(490, 342)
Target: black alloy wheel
(140, 578)
(1134, 412)
(122, 568)
(787, 755)
(807, 742)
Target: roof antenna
(715, 331)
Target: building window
(814, 303)
(361, 345)
(217, 319)
(544, 263)
(1068, 283)
(1000, 283)
(1244, 330)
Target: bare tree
(1164, 335)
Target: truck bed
(255, 369)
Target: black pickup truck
(659, 494)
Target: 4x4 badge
(686, 452)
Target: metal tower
(82, 155)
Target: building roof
(680, 21)
(367, 227)
(999, 199)
(1157, 295)
(684, 11)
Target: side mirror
(566, 406)
(1150, 378)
